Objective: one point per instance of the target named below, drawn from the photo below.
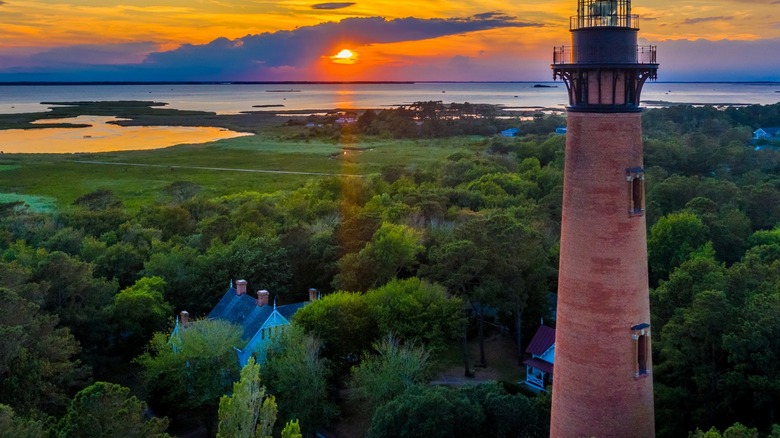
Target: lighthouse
(603, 384)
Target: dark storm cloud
(303, 45)
(331, 5)
(706, 19)
(91, 54)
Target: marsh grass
(65, 177)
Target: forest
(407, 261)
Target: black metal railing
(585, 21)
(570, 55)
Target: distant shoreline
(60, 83)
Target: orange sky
(74, 34)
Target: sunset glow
(145, 40)
(345, 56)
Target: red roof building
(539, 368)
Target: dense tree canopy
(78, 284)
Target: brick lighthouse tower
(603, 385)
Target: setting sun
(345, 56)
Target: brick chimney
(262, 298)
(313, 294)
(240, 287)
(184, 318)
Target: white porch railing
(534, 380)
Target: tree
(432, 411)
(672, 240)
(261, 259)
(76, 296)
(292, 430)
(248, 412)
(139, 311)
(508, 415)
(108, 410)
(737, 430)
(12, 425)
(343, 323)
(494, 260)
(754, 353)
(298, 378)
(415, 310)
(100, 199)
(695, 275)
(176, 266)
(187, 372)
(689, 372)
(395, 367)
(38, 364)
(122, 262)
(392, 248)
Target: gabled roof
(542, 340)
(772, 130)
(242, 310)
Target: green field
(219, 167)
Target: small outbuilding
(539, 368)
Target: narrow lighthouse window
(635, 176)
(640, 335)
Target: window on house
(636, 190)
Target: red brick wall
(602, 286)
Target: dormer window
(635, 176)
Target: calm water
(234, 98)
(102, 136)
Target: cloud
(2, 2)
(300, 47)
(495, 15)
(706, 19)
(93, 54)
(332, 5)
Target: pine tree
(248, 413)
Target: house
(511, 132)
(258, 319)
(539, 368)
(767, 133)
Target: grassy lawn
(61, 178)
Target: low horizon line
(34, 83)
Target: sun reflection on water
(102, 136)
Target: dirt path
(501, 357)
(223, 169)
